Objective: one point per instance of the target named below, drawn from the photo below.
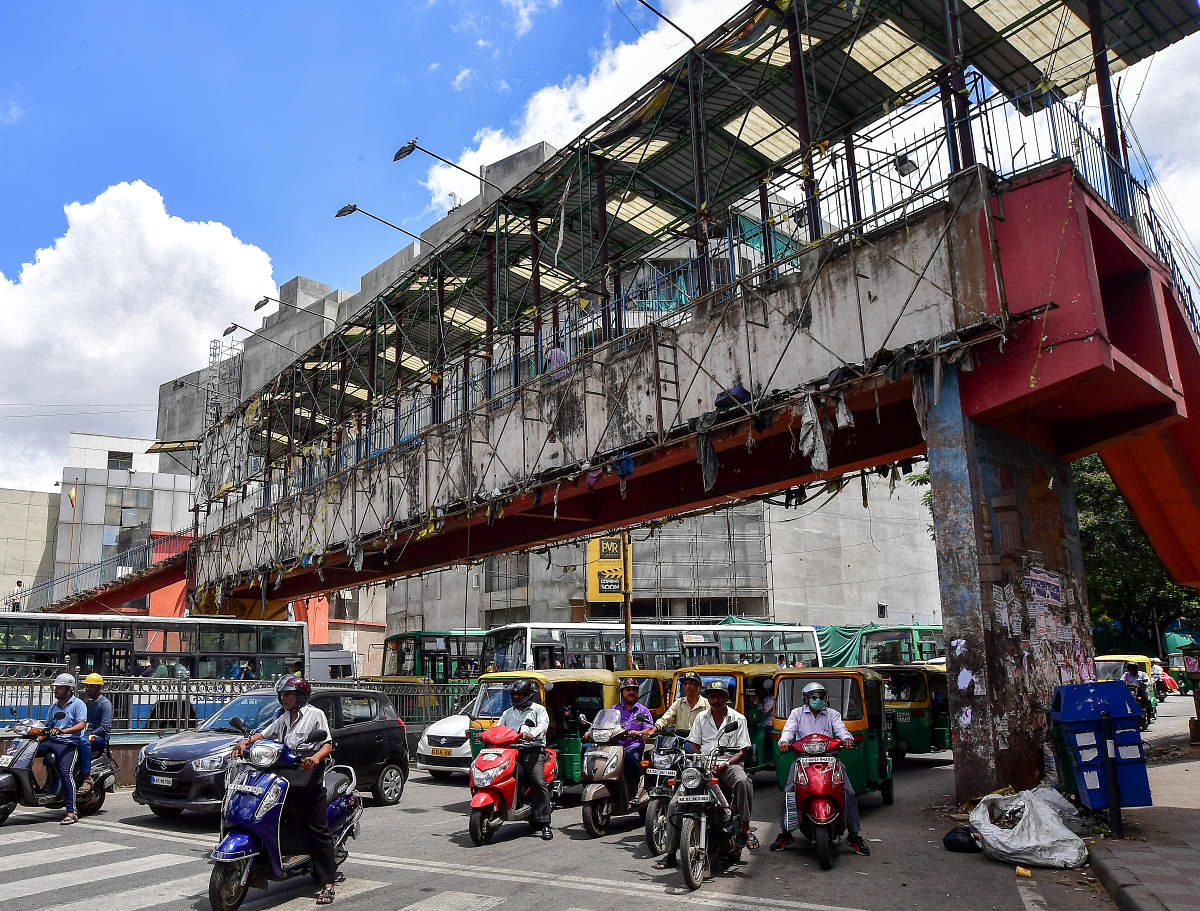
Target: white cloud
(503, 86)
(126, 299)
(460, 81)
(483, 43)
(525, 10)
(11, 112)
(559, 113)
(433, 66)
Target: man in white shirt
(530, 719)
(292, 727)
(13, 601)
(815, 717)
(708, 733)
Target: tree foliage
(1126, 582)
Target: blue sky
(267, 116)
(164, 165)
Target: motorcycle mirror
(317, 737)
(528, 722)
(644, 718)
(58, 715)
(583, 719)
(238, 724)
(730, 728)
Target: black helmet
(290, 683)
(690, 677)
(717, 688)
(522, 693)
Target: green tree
(1126, 582)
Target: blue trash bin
(1077, 709)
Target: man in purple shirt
(815, 717)
(631, 712)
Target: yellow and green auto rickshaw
(1111, 667)
(566, 694)
(749, 685)
(916, 703)
(857, 693)
(1177, 668)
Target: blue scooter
(259, 843)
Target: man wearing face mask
(815, 717)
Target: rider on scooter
(531, 759)
(99, 727)
(63, 742)
(631, 712)
(814, 717)
(293, 727)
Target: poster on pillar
(609, 572)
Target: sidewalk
(1155, 867)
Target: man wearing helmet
(531, 759)
(632, 713)
(815, 717)
(293, 726)
(99, 726)
(63, 738)
(683, 710)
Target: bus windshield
(504, 650)
(888, 647)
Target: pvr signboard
(609, 568)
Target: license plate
(903, 717)
(693, 798)
(5, 761)
(815, 760)
(161, 780)
(442, 751)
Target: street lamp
(233, 327)
(350, 208)
(269, 300)
(412, 146)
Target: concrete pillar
(1014, 606)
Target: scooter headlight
(691, 778)
(263, 755)
(662, 760)
(481, 778)
(814, 747)
(270, 800)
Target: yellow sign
(609, 572)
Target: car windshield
(256, 709)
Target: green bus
(442, 656)
(900, 644)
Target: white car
(445, 748)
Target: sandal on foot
(69, 820)
(667, 863)
(752, 841)
(325, 897)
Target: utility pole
(627, 592)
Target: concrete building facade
(28, 519)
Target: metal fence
(154, 705)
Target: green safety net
(839, 644)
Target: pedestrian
(13, 601)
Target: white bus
(537, 646)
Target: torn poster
(965, 679)
(960, 646)
(964, 717)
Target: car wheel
(389, 786)
(165, 812)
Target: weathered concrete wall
(28, 519)
(780, 337)
(1014, 604)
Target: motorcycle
(710, 831)
(664, 764)
(605, 791)
(818, 798)
(19, 784)
(1141, 692)
(260, 840)
(495, 798)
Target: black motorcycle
(19, 784)
(663, 765)
(1141, 692)
(710, 830)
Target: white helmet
(65, 680)
(815, 687)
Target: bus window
(238, 641)
(278, 640)
(931, 643)
(801, 647)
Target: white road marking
(456, 901)
(17, 837)
(69, 879)
(1031, 898)
(55, 855)
(587, 884)
(349, 889)
(145, 897)
(201, 841)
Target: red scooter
(494, 796)
(819, 795)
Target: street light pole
(350, 208)
(235, 326)
(267, 299)
(412, 146)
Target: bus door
(437, 666)
(106, 659)
(544, 657)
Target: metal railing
(108, 570)
(164, 704)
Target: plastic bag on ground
(960, 838)
(1064, 808)
(1039, 838)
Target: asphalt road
(417, 856)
